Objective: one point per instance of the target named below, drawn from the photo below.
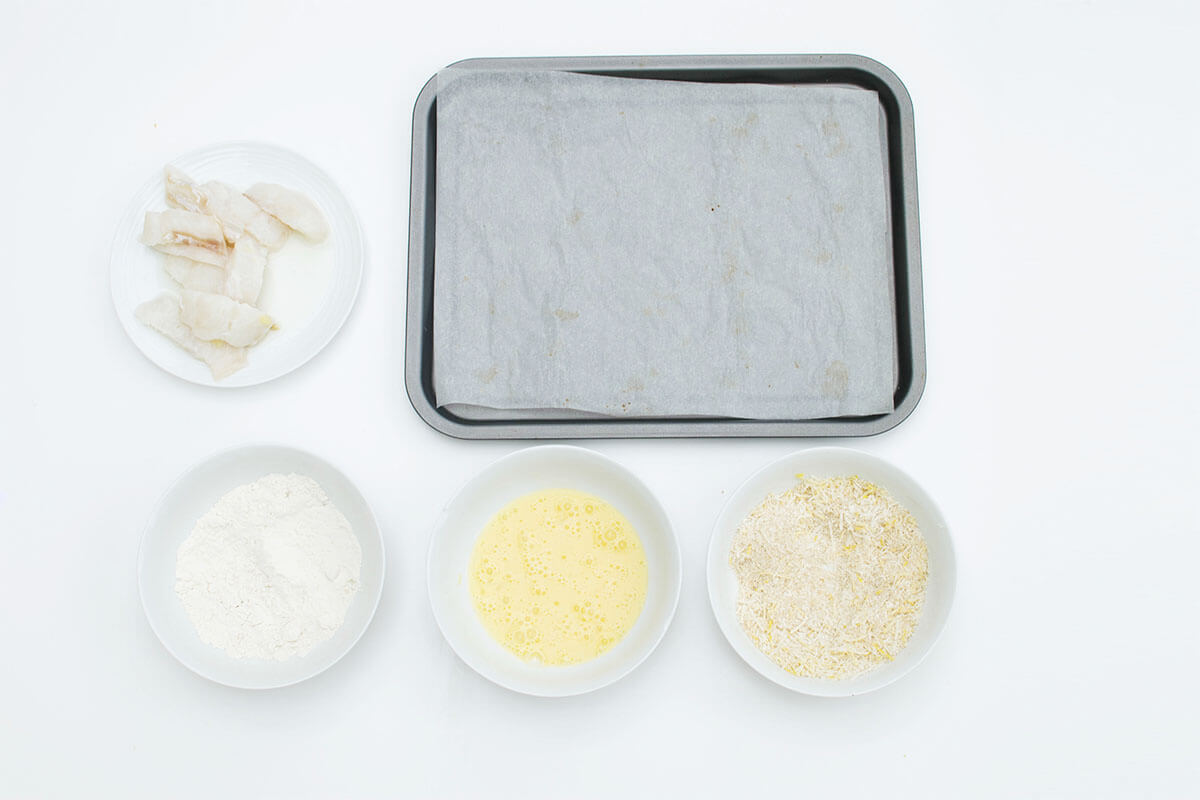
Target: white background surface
(1058, 172)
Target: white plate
(522, 472)
(189, 498)
(309, 288)
(830, 462)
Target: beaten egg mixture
(558, 576)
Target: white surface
(833, 462)
(516, 475)
(171, 522)
(308, 288)
(1058, 174)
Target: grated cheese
(831, 577)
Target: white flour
(270, 570)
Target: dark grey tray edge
(419, 301)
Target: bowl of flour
(260, 567)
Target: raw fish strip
(291, 208)
(239, 216)
(215, 316)
(185, 233)
(162, 314)
(244, 277)
(182, 192)
(196, 276)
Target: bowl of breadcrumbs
(831, 572)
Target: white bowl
(830, 462)
(522, 472)
(308, 288)
(189, 498)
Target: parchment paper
(639, 247)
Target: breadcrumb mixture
(831, 577)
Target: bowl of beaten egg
(554, 572)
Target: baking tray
(780, 69)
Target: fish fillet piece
(196, 276)
(182, 191)
(185, 233)
(217, 317)
(240, 216)
(163, 315)
(291, 208)
(243, 279)
(237, 214)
